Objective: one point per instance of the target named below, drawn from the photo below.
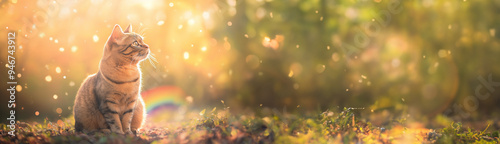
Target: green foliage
(219, 126)
(455, 133)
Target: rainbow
(163, 102)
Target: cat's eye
(135, 43)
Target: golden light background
(279, 54)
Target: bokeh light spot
(206, 15)
(74, 48)
(296, 86)
(320, 68)
(59, 110)
(252, 61)
(186, 55)
(58, 70)
(160, 23)
(189, 99)
(296, 68)
(95, 38)
(442, 53)
(48, 78)
(191, 21)
(19, 88)
(335, 57)
(60, 122)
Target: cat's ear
(128, 29)
(117, 33)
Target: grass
(266, 126)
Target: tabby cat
(110, 100)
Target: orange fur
(110, 100)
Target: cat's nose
(146, 46)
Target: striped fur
(110, 100)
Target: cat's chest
(121, 94)
(127, 89)
(123, 90)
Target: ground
(218, 126)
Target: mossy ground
(219, 126)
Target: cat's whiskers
(140, 26)
(152, 56)
(152, 59)
(143, 32)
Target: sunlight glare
(160, 23)
(74, 48)
(186, 55)
(191, 21)
(58, 70)
(206, 15)
(48, 78)
(95, 38)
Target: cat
(110, 100)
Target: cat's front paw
(135, 131)
(106, 131)
(118, 132)
(129, 133)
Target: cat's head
(125, 47)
